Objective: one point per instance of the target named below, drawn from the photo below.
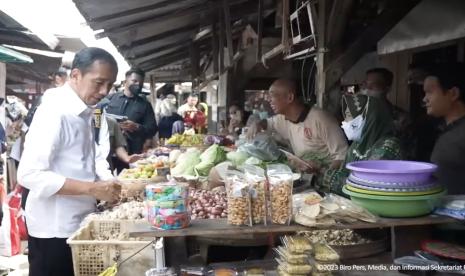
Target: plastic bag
(291, 258)
(280, 179)
(14, 202)
(10, 243)
(256, 180)
(238, 197)
(262, 147)
(345, 207)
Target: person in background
(188, 109)
(313, 134)
(167, 116)
(62, 166)
(378, 84)
(118, 142)
(200, 120)
(424, 126)
(236, 120)
(141, 124)
(369, 125)
(445, 98)
(60, 77)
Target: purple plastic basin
(392, 171)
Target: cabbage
(238, 158)
(253, 161)
(186, 163)
(214, 155)
(174, 155)
(203, 168)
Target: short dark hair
(384, 73)
(194, 95)
(136, 71)
(84, 59)
(450, 75)
(61, 72)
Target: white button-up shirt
(60, 144)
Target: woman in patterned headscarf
(369, 124)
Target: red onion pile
(207, 205)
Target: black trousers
(49, 257)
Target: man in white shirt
(190, 107)
(62, 165)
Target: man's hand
(305, 166)
(252, 131)
(109, 191)
(129, 126)
(133, 158)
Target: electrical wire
(137, 252)
(306, 96)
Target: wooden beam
(215, 47)
(190, 10)
(176, 44)
(227, 22)
(320, 61)
(164, 62)
(337, 22)
(195, 60)
(161, 36)
(285, 26)
(168, 56)
(162, 4)
(258, 57)
(173, 49)
(221, 39)
(365, 42)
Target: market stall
(172, 193)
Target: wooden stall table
(406, 233)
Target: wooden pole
(221, 40)
(320, 61)
(260, 30)
(227, 22)
(285, 26)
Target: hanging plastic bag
(14, 202)
(10, 243)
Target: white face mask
(353, 129)
(371, 93)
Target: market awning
(430, 22)
(11, 56)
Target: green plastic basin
(397, 206)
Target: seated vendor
(445, 98)
(313, 134)
(369, 124)
(235, 120)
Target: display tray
(378, 244)
(207, 227)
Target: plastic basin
(397, 206)
(392, 170)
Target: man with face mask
(140, 125)
(378, 84)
